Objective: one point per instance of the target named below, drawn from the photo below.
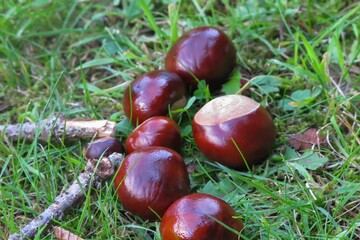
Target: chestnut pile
(234, 130)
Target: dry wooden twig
(57, 128)
(95, 172)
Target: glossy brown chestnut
(102, 147)
(233, 129)
(155, 131)
(196, 217)
(153, 94)
(204, 52)
(150, 179)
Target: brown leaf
(62, 234)
(306, 140)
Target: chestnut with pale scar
(235, 131)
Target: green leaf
(299, 99)
(40, 3)
(111, 47)
(312, 161)
(266, 83)
(134, 10)
(124, 126)
(290, 153)
(225, 189)
(291, 11)
(202, 92)
(300, 95)
(233, 85)
(190, 103)
(186, 131)
(286, 105)
(308, 160)
(305, 97)
(301, 170)
(115, 116)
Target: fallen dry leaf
(306, 140)
(62, 234)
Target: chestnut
(155, 131)
(233, 129)
(199, 216)
(153, 94)
(150, 179)
(203, 53)
(102, 147)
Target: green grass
(76, 57)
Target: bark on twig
(57, 129)
(95, 172)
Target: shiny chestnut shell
(102, 147)
(155, 131)
(192, 217)
(231, 129)
(150, 179)
(153, 94)
(204, 52)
